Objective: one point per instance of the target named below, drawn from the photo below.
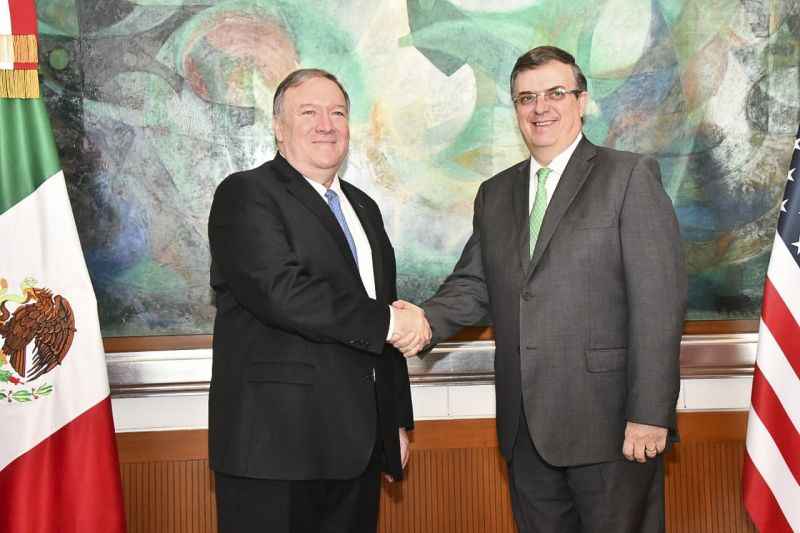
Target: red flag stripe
(23, 17)
(69, 483)
(759, 501)
(782, 324)
(772, 414)
(784, 273)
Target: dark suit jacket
(296, 338)
(587, 331)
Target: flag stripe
(784, 275)
(772, 468)
(28, 153)
(23, 17)
(776, 370)
(759, 501)
(770, 410)
(5, 18)
(782, 325)
(46, 489)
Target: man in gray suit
(576, 257)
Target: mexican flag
(59, 470)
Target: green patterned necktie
(539, 206)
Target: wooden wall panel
(456, 481)
(703, 489)
(449, 491)
(704, 472)
(169, 497)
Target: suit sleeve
(402, 387)
(402, 384)
(250, 246)
(463, 298)
(656, 287)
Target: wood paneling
(704, 472)
(152, 343)
(456, 480)
(449, 490)
(719, 327)
(169, 497)
(162, 446)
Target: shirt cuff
(391, 324)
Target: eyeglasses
(554, 94)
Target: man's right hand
(411, 329)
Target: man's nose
(324, 123)
(541, 104)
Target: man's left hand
(643, 442)
(405, 451)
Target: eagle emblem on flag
(42, 318)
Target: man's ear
(277, 128)
(583, 101)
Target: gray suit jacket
(588, 330)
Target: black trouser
(614, 497)
(246, 505)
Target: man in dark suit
(576, 257)
(308, 404)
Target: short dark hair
(297, 78)
(540, 55)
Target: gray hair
(298, 77)
(540, 55)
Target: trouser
(614, 497)
(246, 505)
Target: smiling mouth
(543, 123)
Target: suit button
(527, 296)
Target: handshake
(412, 332)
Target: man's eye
(307, 112)
(525, 99)
(339, 113)
(558, 92)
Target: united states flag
(771, 476)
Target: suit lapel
(574, 177)
(519, 193)
(373, 235)
(306, 195)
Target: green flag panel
(28, 154)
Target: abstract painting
(154, 102)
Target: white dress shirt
(557, 165)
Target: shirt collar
(559, 162)
(336, 186)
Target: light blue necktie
(336, 207)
